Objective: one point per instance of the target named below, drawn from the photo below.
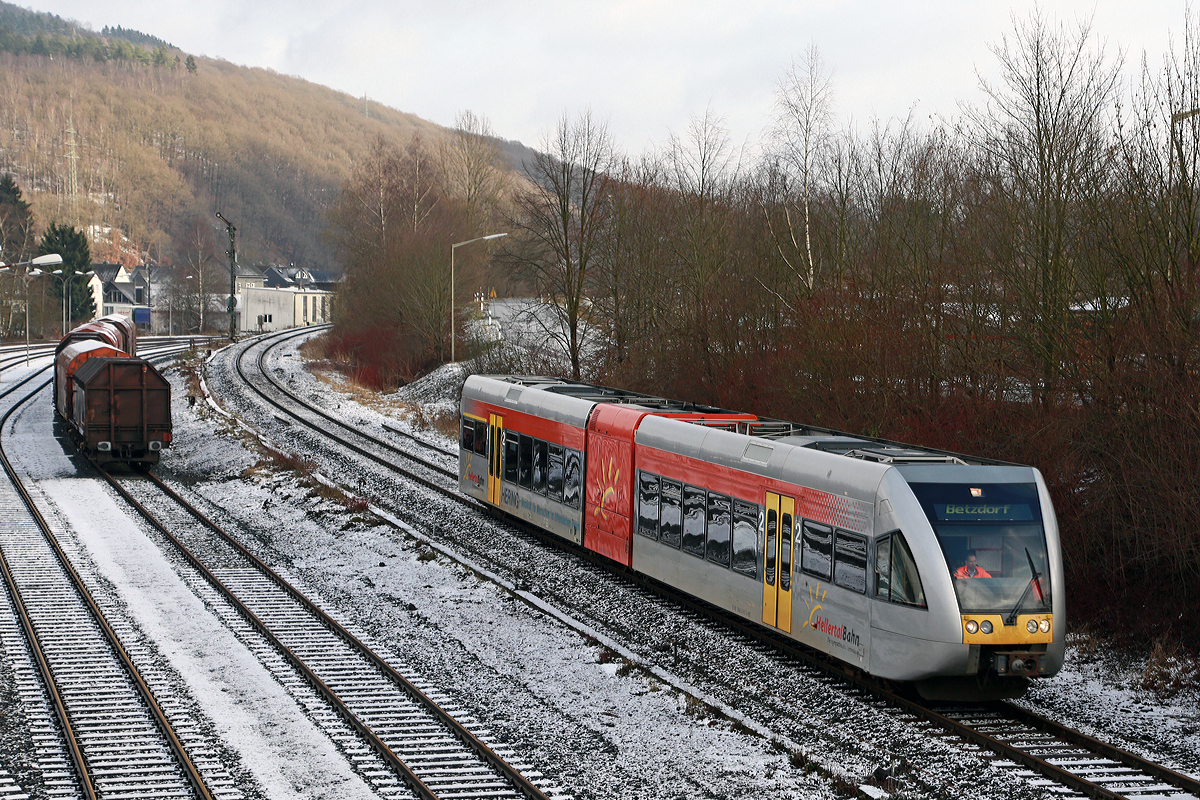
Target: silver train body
(912, 565)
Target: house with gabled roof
(303, 278)
(116, 289)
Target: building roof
(281, 277)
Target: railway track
(433, 474)
(415, 734)
(1047, 752)
(1053, 754)
(97, 716)
(420, 746)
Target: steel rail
(1048, 770)
(330, 418)
(1185, 782)
(78, 763)
(880, 690)
(452, 494)
(520, 783)
(189, 769)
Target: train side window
(850, 561)
(816, 549)
(693, 520)
(554, 473)
(785, 552)
(883, 567)
(573, 478)
(525, 461)
(511, 440)
(769, 554)
(539, 466)
(670, 520)
(896, 576)
(720, 529)
(906, 582)
(481, 436)
(647, 524)
(468, 434)
(745, 538)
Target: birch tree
(804, 117)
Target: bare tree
(469, 159)
(198, 276)
(560, 223)
(804, 116)
(393, 226)
(704, 171)
(1042, 134)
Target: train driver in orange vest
(971, 569)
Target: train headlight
(1044, 626)
(972, 626)
(986, 626)
(1031, 626)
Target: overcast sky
(646, 67)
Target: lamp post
(48, 260)
(454, 247)
(64, 282)
(232, 253)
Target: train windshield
(993, 542)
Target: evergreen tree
(72, 245)
(16, 222)
(191, 65)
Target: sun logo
(608, 476)
(815, 596)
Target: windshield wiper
(1011, 619)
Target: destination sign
(983, 512)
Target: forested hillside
(122, 131)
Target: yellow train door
(495, 449)
(777, 561)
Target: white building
(265, 309)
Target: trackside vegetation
(1022, 283)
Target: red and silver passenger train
(116, 405)
(910, 564)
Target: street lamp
(454, 247)
(232, 253)
(64, 280)
(48, 260)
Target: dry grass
(340, 375)
(696, 708)
(444, 422)
(1170, 669)
(315, 348)
(1085, 646)
(293, 462)
(191, 365)
(355, 505)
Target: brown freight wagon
(121, 410)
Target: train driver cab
(994, 542)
